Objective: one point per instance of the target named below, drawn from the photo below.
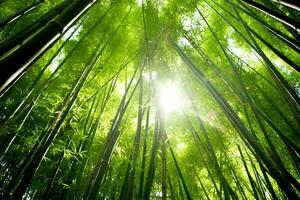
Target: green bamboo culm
(18, 60)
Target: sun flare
(169, 98)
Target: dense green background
(224, 78)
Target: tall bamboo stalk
(92, 187)
(42, 147)
(19, 38)
(141, 183)
(129, 194)
(276, 15)
(289, 3)
(20, 13)
(237, 123)
(274, 154)
(152, 162)
(23, 57)
(163, 141)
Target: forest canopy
(149, 99)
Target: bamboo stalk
(22, 36)
(288, 92)
(277, 52)
(252, 182)
(133, 161)
(42, 146)
(254, 143)
(186, 190)
(278, 33)
(276, 15)
(110, 143)
(163, 141)
(23, 57)
(20, 13)
(141, 183)
(13, 117)
(152, 163)
(289, 3)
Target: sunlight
(120, 88)
(241, 52)
(146, 75)
(75, 34)
(169, 98)
(181, 146)
(56, 61)
(140, 2)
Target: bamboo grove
(149, 99)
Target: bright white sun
(169, 98)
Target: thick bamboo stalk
(24, 103)
(42, 147)
(293, 43)
(289, 3)
(28, 102)
(19, 38)
(19, 14)
(276, 15)
(14, 64)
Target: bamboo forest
(149, 99)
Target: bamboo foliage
(149, 100)
(250, 138)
